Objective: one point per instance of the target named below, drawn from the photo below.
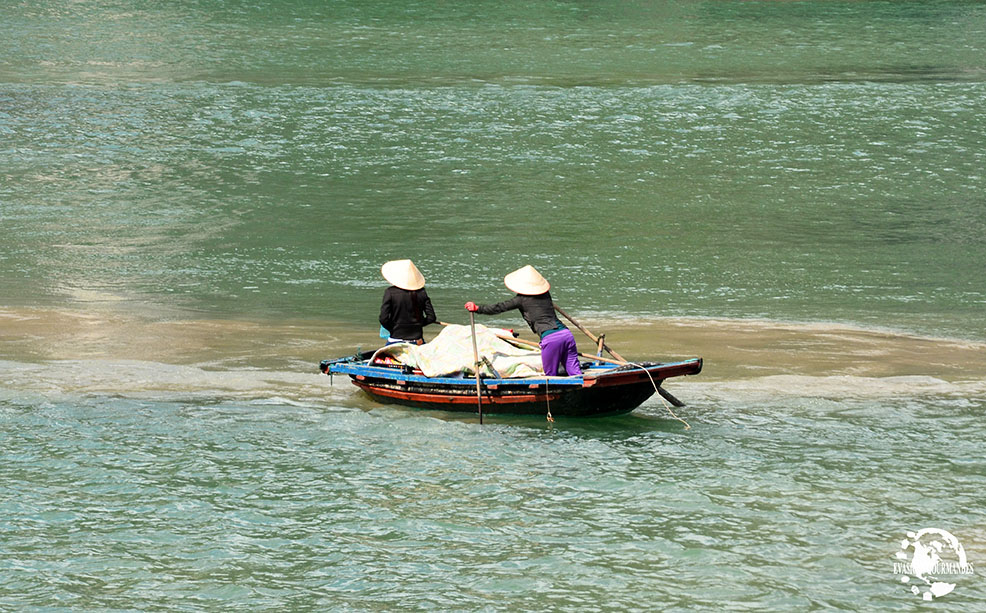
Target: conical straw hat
(403, 273)
(526, 281)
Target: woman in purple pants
(534, 301)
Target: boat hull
(602, 391)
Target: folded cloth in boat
(450, 353)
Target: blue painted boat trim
(383, 372)
(360, 368)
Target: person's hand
(471, 307)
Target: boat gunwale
(608, 375)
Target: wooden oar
(594, 338)
(619, 362)
(660, 389)
(599, 340)
(476, 367)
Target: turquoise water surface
(195, 201)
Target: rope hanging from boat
(547, 401)
(666, 405)
(602, 345)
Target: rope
(547, 401)
(664, 402)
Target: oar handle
(475, 355)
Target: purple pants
(559, 348)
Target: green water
(196, 198)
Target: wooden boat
(603, 389)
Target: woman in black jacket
(406, 308)
(534, 302)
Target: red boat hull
(610, 392)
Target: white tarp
(451, 354)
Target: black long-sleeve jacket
(538, 311)
(405, 312)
